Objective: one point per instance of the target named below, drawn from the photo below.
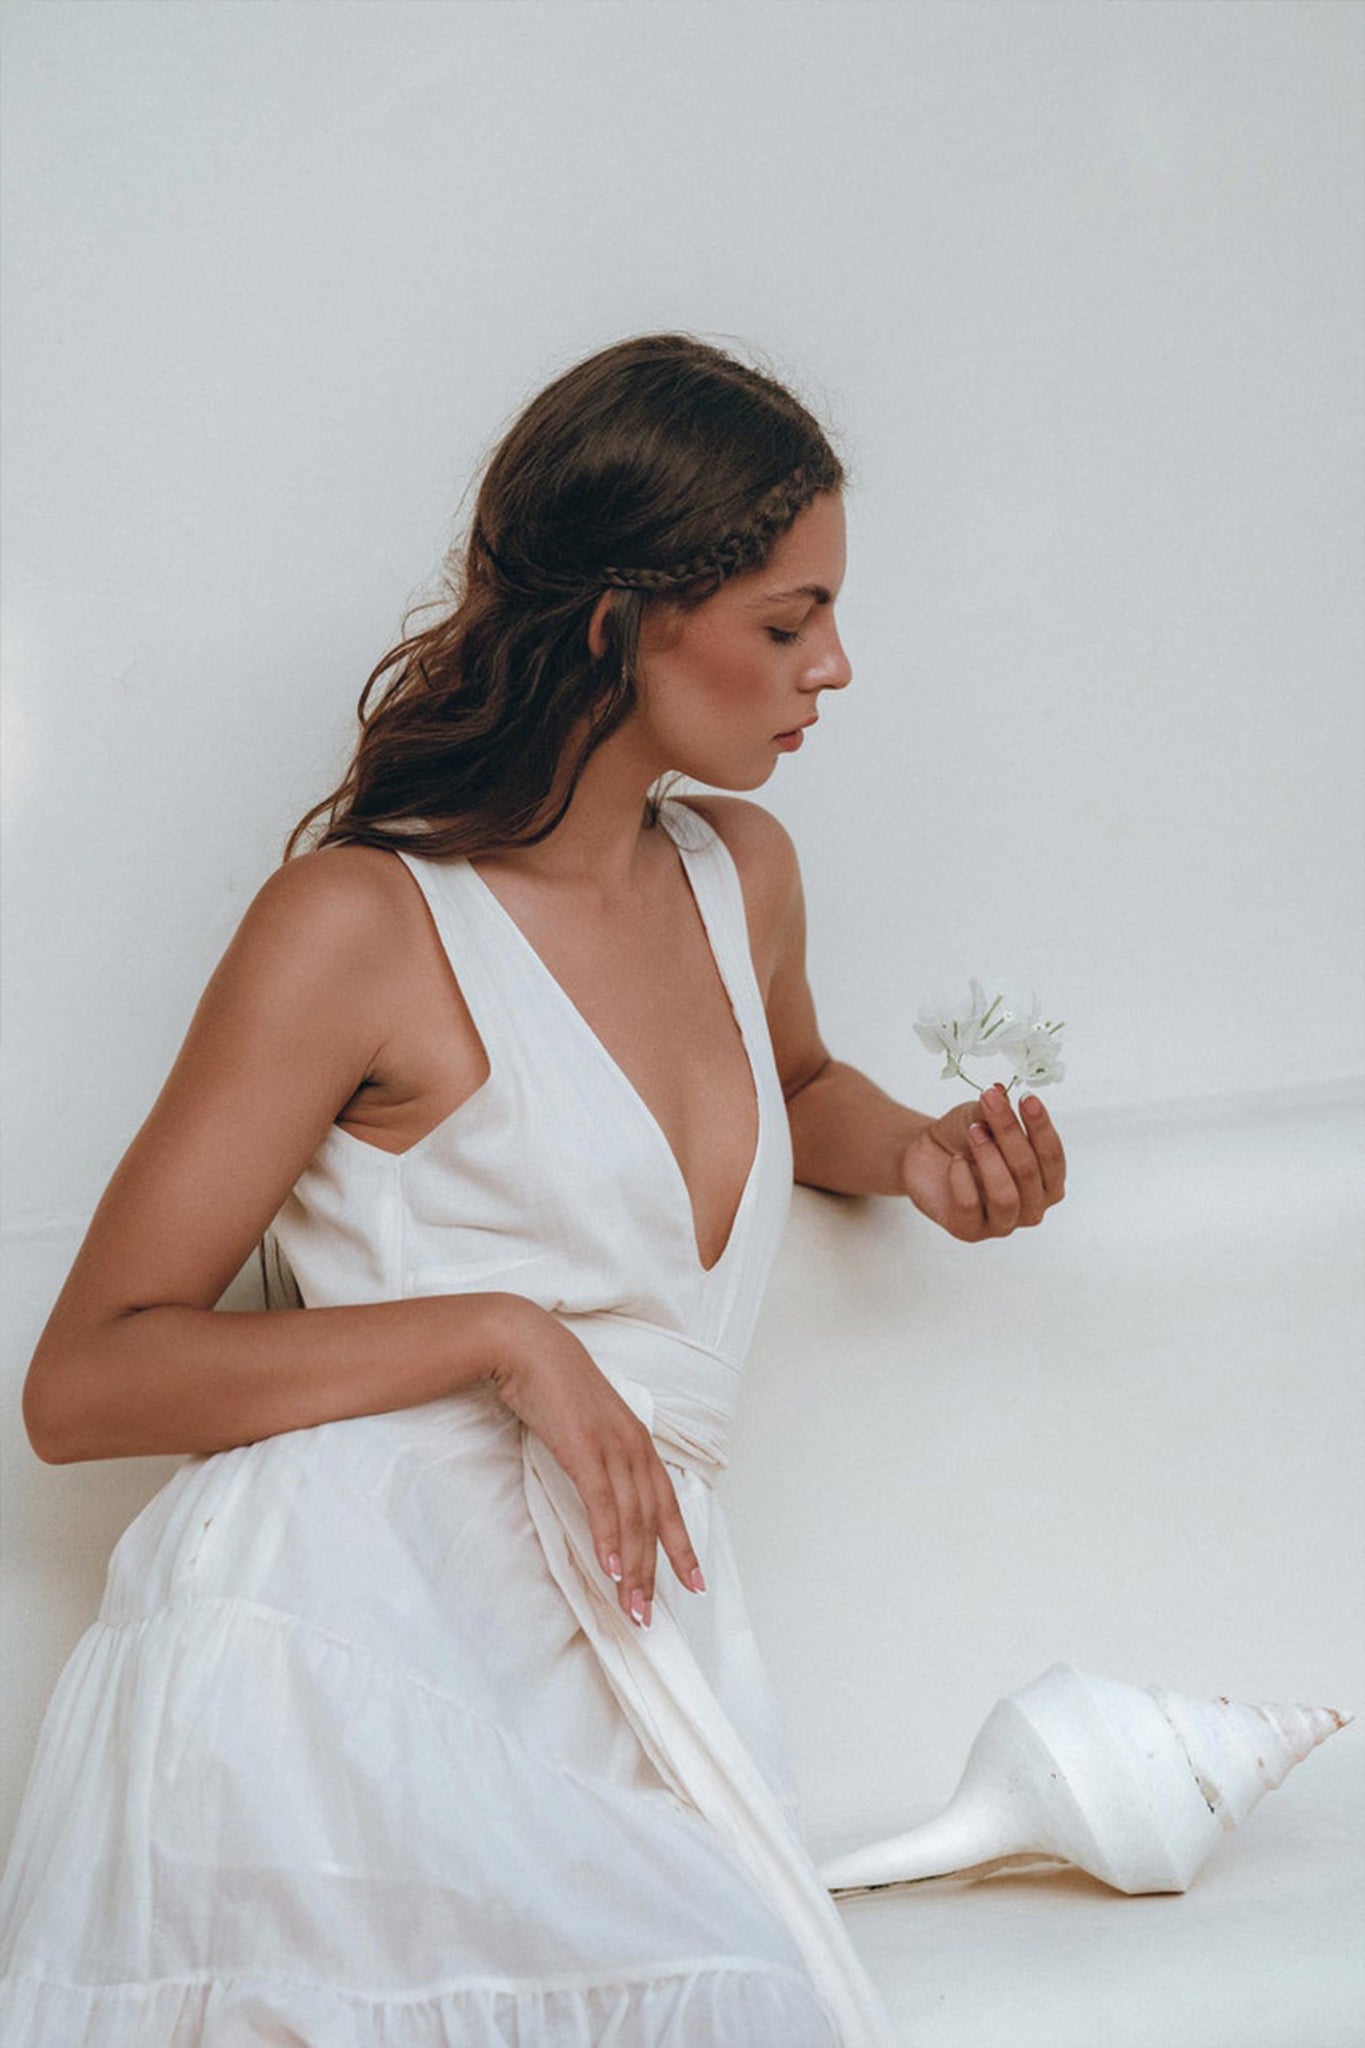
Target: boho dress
(361, 1751)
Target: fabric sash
(685, 1395)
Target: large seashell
(1135, 1786)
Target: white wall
(1079, 286)
(1133, 1442)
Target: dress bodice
(554, 1179)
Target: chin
(718, 775)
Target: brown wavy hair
(656, 470)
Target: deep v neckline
(613, 1065)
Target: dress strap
(503, 980)
(475, 943)
(715, 884)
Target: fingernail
(637, 1608)
(614, 1567)
(979, 1134)
(695, 1580)
(649, 1613)
(1031, 1106)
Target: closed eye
(782, 638)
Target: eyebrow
(815, 591)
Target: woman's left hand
(984, 1171)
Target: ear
(597, 626)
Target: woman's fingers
(598, 1496)
(673, 1533)
(1017, 1151)
(999, 1194)
(1018, 1162)
(985, 1170)
(643, 1514)
(556, 1389)
(966, 1218)
(1047, 1147)
(635, 1519)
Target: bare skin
(335, 1003)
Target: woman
(391, 1729)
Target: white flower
(995, 1021)
(952, 1028)
(1005, 1016)
(1035, 1056)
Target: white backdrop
(1079, 287)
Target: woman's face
(727, 687)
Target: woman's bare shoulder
(334, 902)
(760, 846)
(338, 926)
(335, 887)
(769, 879)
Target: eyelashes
(783, 639)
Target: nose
(832, 669)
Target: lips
(792, 731)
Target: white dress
(361, 1752)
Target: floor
(1266, 1950)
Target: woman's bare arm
(980, 1171)
(333, 981)
(297, 1015)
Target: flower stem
(971, 1082)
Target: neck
(604, 837)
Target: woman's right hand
(551, 1382)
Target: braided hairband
(736, 552)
